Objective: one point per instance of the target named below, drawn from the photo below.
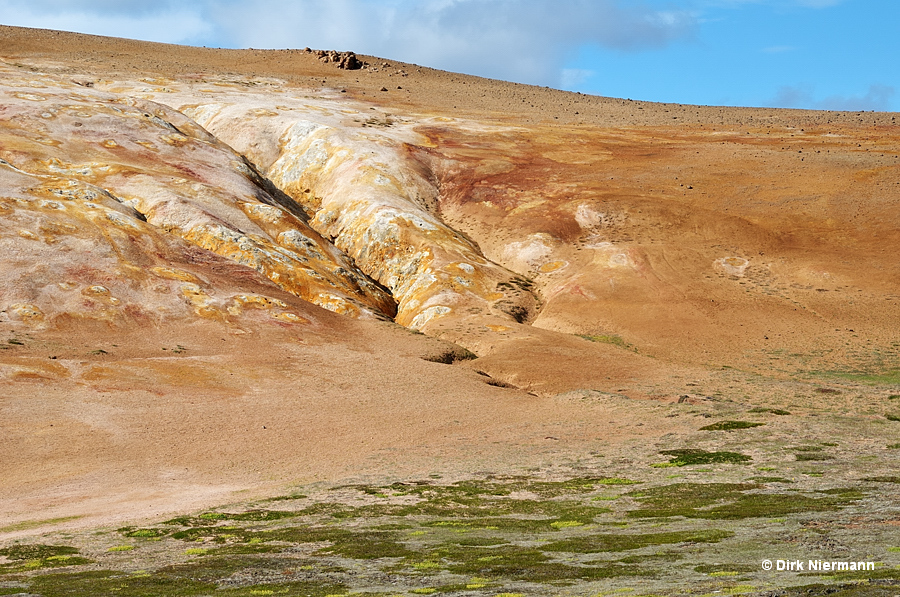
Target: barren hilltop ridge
(366, 327)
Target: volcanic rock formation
(207, 253)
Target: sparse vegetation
(690, 456)
(731, 426)
(774, 411)
(609, 339)
(472, 534)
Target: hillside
(229, 273)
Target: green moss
(37, 552)
(847, 590)
(625, 542)
(892, 417)
(695, 456)
(291, 589)
(666, 557)
(568, 487)
(286, 498)
(480, 506)
(460, 588)
(730, 426)
(244, 549)
(812, 456)
(893, 479)
(219, 534)
(147, 533)
(731, 501)
(213, 516)
(480, 541)
(769, 505)
(211, 519)
(105, 582)
(608, 339)
(684, 499)
(774, 411)
(715, 568)
(261, 515)
(26, 558)
(617, 481)
(33, 524)
(769, 480)
(521, 563)
(368, 545)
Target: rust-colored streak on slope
(693, 244)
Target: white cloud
(521, 40)
(162, 22)
(572, 78)
(878, 97)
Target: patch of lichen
(719, 568)
(508, 514)
(863, 589)
(298, 589)
(511, 562)
(26, 558)
(498, 530)
(106, 582)
(607, 542)
(691, 456)
(732, 501)
(146, 533)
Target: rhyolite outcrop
(339, 216)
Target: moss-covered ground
(694, 514)
(490, 535)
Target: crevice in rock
(379, 204)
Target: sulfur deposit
(149, 169)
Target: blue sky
(829, 54)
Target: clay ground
(760, 272)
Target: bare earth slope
(229, 272)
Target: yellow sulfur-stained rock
(364, 191)
(189, 184)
